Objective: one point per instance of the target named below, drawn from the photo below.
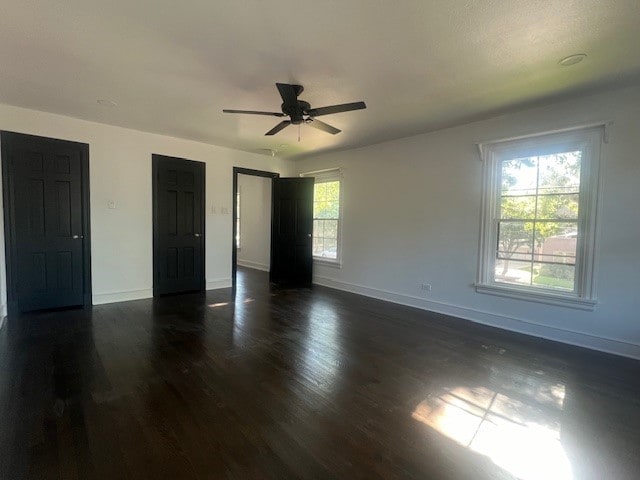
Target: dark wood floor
(304, 384)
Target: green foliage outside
(556, 276)
(553, 282)
(560, 272)
(326, 200)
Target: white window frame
(331, 175)
(589, 141)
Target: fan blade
(345, 107)
(251, 112)
(278, 127)
(325, 127)
(289, 93)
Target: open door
(291, 232)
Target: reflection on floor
(305, 383)
(506, 429)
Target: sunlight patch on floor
(221, 304)
(520, 435)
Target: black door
(178, 225)
(46, 195)
(291, 231)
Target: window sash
(555, 148)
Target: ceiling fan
(300, 111)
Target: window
(539, 212)
(327, 208)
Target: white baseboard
(216, 283)
(608, 345)
(112, 297)
(254, 265)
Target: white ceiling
(418, 64)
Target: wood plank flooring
(310, 384)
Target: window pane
(319, 209)
(556, 242)
(557, 276)
(330, 248)
(327, 210)
(330, 228)
(333, 209)
(518, 207)
(320, 192)
(317, 228)
(560, 173)
(519, 176)
(513, 271)
(318, 247)
(515, 240)
(558, 206)
(333, 191)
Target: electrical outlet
(425, 287)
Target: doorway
(290, 262)
(45, 185)
(251, 230)
(178, 225)
(253, 222)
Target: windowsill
(548, 298)
(327, 262)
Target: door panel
(178, 225)
(45, 198)
(291, 242)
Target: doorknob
(309, 235)
(196, 234)
(75, 237)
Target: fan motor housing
(296, 112)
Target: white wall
(255, 222)
(120, 170)
(412, 213)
